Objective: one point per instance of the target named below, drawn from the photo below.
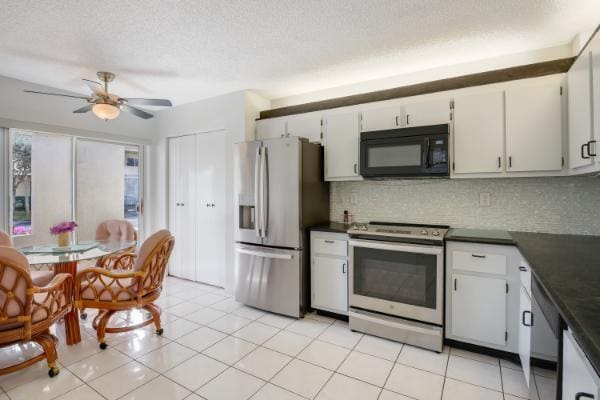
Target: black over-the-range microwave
(405, 152)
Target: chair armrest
(106, 283)
(117, 261)
(58, 296)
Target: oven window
(394, 156)
(400, 277)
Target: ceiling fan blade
(57, 94)
(136, 111)
(148, 102)
(84, 109)
(96, 88)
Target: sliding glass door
(57, 177)
(40, 184)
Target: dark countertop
(486, 236)
(568, 268)
(335, 227)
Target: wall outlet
(354, 198)
(485, 199)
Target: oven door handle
(403, 247)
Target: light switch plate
(484, 199)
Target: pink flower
(62, 227)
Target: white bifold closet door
(197, 206)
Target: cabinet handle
(509, 161)
(397, 122)
(182, 204)
(589, 146)
(343, 268)
(478, 255)
(407, 122)
(522, 268)
(329, 241)
(523, 318)
(455, 279)
(583, 147)
(499, 162)
(355, 168)
(178, 204)
(582, 395)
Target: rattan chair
(5, 239)
(27, 311)
(40, 274)
(115, 229)
(111, 291)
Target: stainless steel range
(396, 282)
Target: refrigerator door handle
(265, 254)
(257, 194)
(264, 195)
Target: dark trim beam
(459, 82)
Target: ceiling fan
(107, 105)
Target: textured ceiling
(190, 49)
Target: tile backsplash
(554, 205)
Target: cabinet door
(534, 127)
(595, 47)
(211, 217)
(330, 284)
(479, 308)
(175, 184)
(580, 111)
(578, 375)
(270, 128)
(525, 321)
(479, 133)
(427, 113)
(306, 126)
(379, 119)
(341, 141)
(185, 216)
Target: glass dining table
(65, 260)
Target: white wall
(233, 113)
(441, 72)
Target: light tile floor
(215, 348)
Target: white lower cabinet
(580, 381)
(479, 308)
(482, 294)
(525, 324)
(329, 272)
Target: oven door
(404, 280)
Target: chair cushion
(123, 289)
(114, 229)
(148, 246)
(5, 239)
(41, 278)
(14, 276)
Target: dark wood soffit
(459, 82)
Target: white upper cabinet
(270, 128)
(595, 47)
(341, 142)
(306, 126)
(479, 133)
(432, 112)
(580, 111)
(534, 127)
(379, 119)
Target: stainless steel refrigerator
(280, 192)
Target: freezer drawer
(270, 279)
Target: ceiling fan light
(106, 111)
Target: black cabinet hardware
(499, 162)
(583, 147)
(522, 268)
(455, 284)
(329, 241)
(509, 161)
(478, 255)
(343, 268)
(582, 395)
(407, 123)
(589, 146)
(530, 319)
